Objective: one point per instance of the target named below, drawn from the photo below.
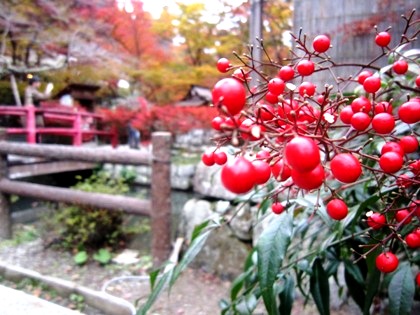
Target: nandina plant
(343, 193)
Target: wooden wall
(350, 25)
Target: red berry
(345, 168)
(217, 122)
(251, 130)
(383, 123)
(208, 158)
(409, 112)
(372, 84)
(418, 80)
(337, 209)
(376, 220)
(272, 98)
(262, 171)
(230, 93)
(307, 88)
(361, 104)
(400, 66)
(409, 144)
(383, 107)
(346, 114)
(263, 155)
(276, 86)
(412, 240)
(418, 279)
(286, 73)
(383, 39)
(223, 65)
(241, 75)
(360, 121)
(392, 147)
(391, 162)
(220, 158)
(302, 154)
(264, 112)
(404, 181)
(305, 67)
(277, 207)
(281, 171)
(415, 167)
(238, 175)
(415, 206)
(321, 43)
(403, 215)
(309, 180)
(387, 262)
(363, 76)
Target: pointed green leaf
(355, 283)
(271, 248)
(401, 291)
(160, 286)
(152, 277)
(372, 280)
(238, 284)
(198, 241)
(287, 296)
(320, 288)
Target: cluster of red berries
(302, 137)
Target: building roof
(196, 96)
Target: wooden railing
(76, 121)
(158, 207)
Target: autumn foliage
(175, 119)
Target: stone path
(14, 302)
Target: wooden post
(5, 219)
(160, 213)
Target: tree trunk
(15, 90)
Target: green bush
(88, 228)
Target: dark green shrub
(83, 227)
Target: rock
(221, 206)
(194, 138)
(223, 254)
(194, 213)
(241, 223)
(207, 182)
(127, 257)
(182, 176)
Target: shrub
(345, 169)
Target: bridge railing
(158, 207)
(79, 124)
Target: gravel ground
(195, 292)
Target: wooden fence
(158, 207)
(75, 123)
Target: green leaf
(160, 286)
(103, 256)
(287, 296)
(401, 291)
(198, 241)
(238, 283)
(152, 277)
(354, 271)
(355, 283)
(320, 288)
(372, 280)
(81, 257)
(271, 248)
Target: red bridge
(74, 123)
